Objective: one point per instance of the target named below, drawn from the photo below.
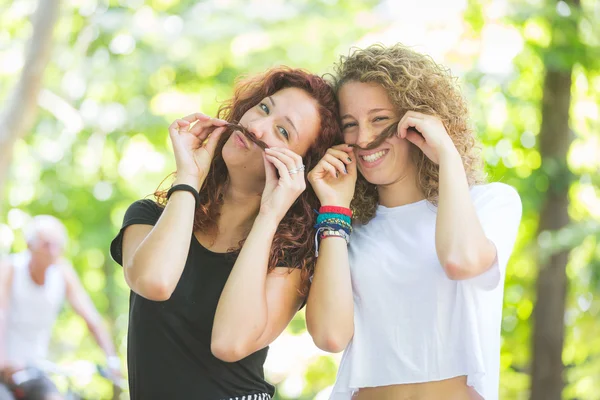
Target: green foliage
(122, 70)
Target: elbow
(460, 268)
(228, 351)
(151, 288)
(330, 340)
(331, 343)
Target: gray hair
(45, 223)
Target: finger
(337, 164)
(341, 155)
(202, 127)
(416, 139)
(408, 122)
(326, 168)
(284, 172)
(415, 114)
(351, 168)
(213, 140)
(344, 147)
(196, 117)
(270, 173)
(219, 122)
(174, 135)
(181, 124)
(289, 162)
(294, 156)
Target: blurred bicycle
(32, 383)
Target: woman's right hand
(194, 146)
(334, 177)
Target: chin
(379, 178)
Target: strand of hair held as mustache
(232, 127)
(386, 133)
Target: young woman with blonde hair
(413, 291)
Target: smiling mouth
(371, 158)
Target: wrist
(194, 181)
(268, 221)
(449, 154)
(334, 202)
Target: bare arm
(154, 256)
(330, 307)
(462, 247)
(82, 304)
(6, 277)
(254, 307)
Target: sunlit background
(121, 70)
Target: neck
(37, 270)
(241, 202)
(403, 191)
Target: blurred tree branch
(18, 114)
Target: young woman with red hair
(219, 264)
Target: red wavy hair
(294, 241)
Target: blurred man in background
(33, 285)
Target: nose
(260, 127)
(366, 135)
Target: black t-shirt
(168, 352)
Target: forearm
(102, 336)
(243, 302)
(2, 338)
(461, 244)
(157, 263)
(330, 306)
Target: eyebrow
(375, 110)
(286, 117)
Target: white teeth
(374, 157)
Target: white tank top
(32, 311)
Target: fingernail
(336, 174)
(349, 159)
(345, 171)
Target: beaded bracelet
(323, 217)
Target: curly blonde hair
(414, 82)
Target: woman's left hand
(280, 193)
(433, 139)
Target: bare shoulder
(67, 270)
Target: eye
(283, 132)
(348, 125)
(264, 107)
(377, 119)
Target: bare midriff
(448, 389)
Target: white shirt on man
(413, 324)
(32, 312)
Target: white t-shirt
(412, 323)
(32, 311)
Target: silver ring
(296, 170)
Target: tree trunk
(555, 139)
(19, 112)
